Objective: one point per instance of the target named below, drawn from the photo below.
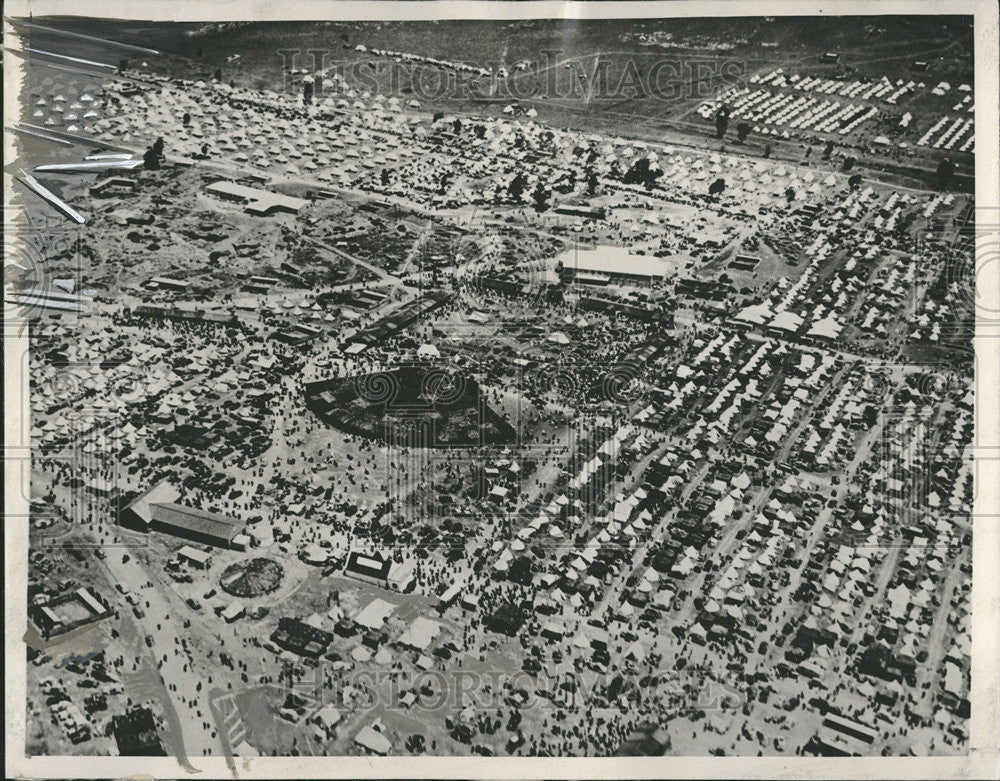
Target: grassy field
(870, 46)
(640, 78)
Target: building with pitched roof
(193, 524)
(138, 515)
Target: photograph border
(983, 759)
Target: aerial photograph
(534, 388)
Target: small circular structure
(252, 578)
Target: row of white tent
(943, 135)
(882, 89)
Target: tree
(186, 120)
(742, 131)
(516, 187)
(717, 186)
(520, 570)
(307, 93)
(642, 172)
(721, 121)
(122, 65)
(217, 76)
(828, 150)
(945, 171)
(153, 156)
(457, 126)
(854, 182)
(151, 160)
(385, 177)
(591, 182)
(437, 116)
(637, 172)
(540, 197)
(848, 164)
(790, 194)
(767, 151)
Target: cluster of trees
(153, 157)
(642, 172)
(591, 182)
(540, 196)
(722, 125)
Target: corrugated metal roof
(194, 520)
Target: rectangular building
(371, 569)
(257, 202)
(301, 638)
(193, 524)
(195, 557)
(616, 264)
(68, 612)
